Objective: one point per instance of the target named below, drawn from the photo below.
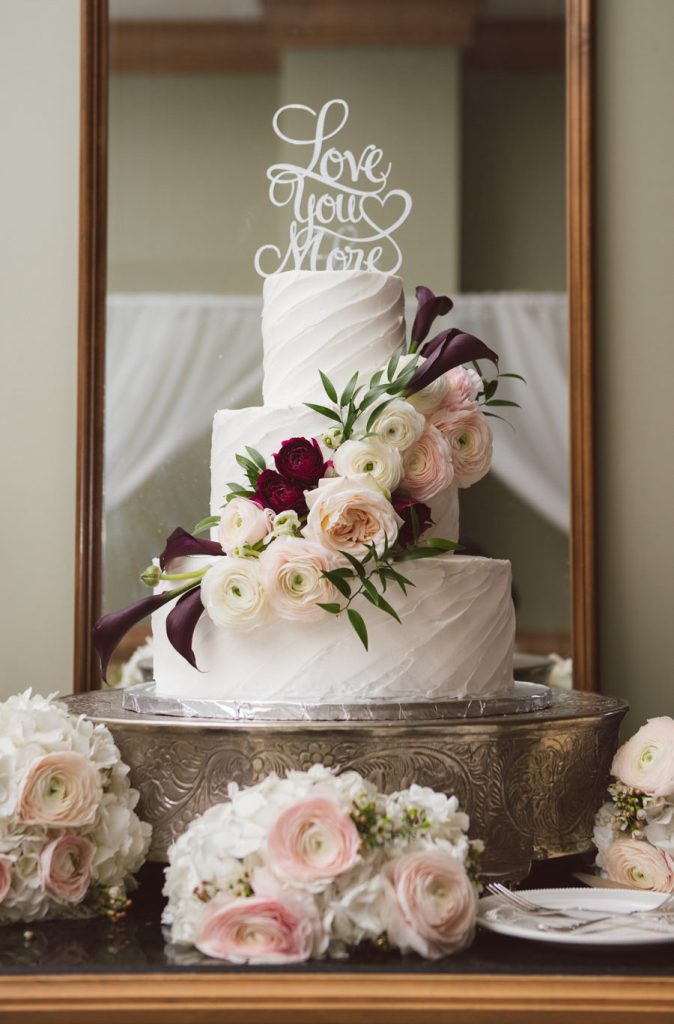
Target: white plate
(497, 916)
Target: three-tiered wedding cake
(456, 629)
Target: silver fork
(520, 902)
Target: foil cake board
(524, 699)
(531, 782)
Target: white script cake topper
(343, 217)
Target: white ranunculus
(243, 522)
(292, 571)
(429, 398)
(349, 514)
(232, 592)
(286, 524)
(646, 760)
(400, 424)
(372, 455)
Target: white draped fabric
(172, 360)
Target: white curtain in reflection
(172, 360)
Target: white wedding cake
(456, 629)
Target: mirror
(467, 99)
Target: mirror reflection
(467, 101)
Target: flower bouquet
(70, 839)
(316, 863)
(322, 531)
(634, 831)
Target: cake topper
(343, 216)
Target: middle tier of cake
(455, 639)
(266, 428)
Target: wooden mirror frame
(91, 363)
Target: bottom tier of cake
(455, 639)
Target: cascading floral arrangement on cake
(334, 507)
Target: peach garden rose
(60, 790)
(350, 513)
(313, 841)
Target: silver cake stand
(530, 771)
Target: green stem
(184, 575)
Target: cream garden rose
(400, 424)
(350, 513)
(646, 760)
(292, 572)
(232, 592)
(243, 522)
(470, 441)
(430, 903)
(313, 841)
(427, 466)
(65, 868)
(637, 864)
(60, 790)
(382, 461)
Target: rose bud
(275, 492)
(301, 461)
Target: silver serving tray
(524, 699)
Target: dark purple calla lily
(110, 628)
(181, 544)
(449, 349)
(429, 306)
(181, 622)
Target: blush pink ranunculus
(312, 841)
(243, 522)
(292, 570)
(430, 904)
(5, 877)
(634, 862)
(646, 761)
(65, 868)
(60, 790)
(427, 466)
(463, 387)
(258, 930)
(469, 437)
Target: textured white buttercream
(336, 321)
(455, 639)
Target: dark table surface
(136, 944)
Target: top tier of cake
(338, 321)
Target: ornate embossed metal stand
(531, 782)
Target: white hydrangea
(33, 727)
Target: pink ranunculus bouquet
(314, 864)
(634, 831)
(70, 840)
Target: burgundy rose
(275, 492)
(300, 461)
(403, 505)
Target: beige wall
(39, 97)
(635, 351)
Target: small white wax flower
(400, 424)
(292, 571)
(371, 455)
(232, 592)
(243, 522)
